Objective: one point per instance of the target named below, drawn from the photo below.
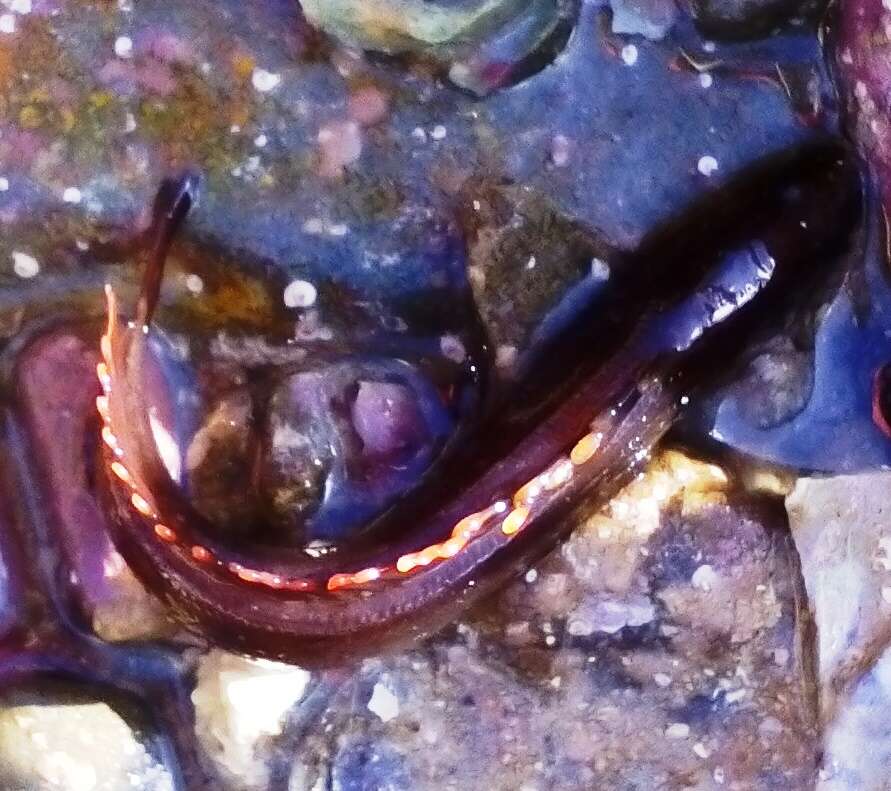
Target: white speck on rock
(704, 578)
(72, 195)
(24, 265)
(707, 165)
(20, 6)
(260, 141)
(629, 54)
(438, 132)
(265, 81)
(123, 47)
(706, 80)
(194, 284)
(4, 184)
(701, 750)
(662, 680)
(7, 23)
(531, 576)
(600, 270)
(677, 730)
(300, 294)
(383, 703)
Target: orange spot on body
(121, 472)
(514, 521)
(585, 449)
(165, 533)
(141, 504)
(201, 554)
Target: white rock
(707, 165)
(629, 54)
(238, 703)
(123, 47)
(24, 265)
(72, 195)
(383, 702)
(300, 294)
(73, 747)
(842, 532)
(265, 81)
(677, 730)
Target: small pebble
(662, 680)
(21, 6)
(300, 294)
(265, 81)
(707, 165)
(123, 47)
(72, 195)
(438, 132)
(531, 576)
(629, 54)
(706, 80)
(7, 23)
(260, 141)
(25, 265)
(4, 184)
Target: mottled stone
(857, 754)
(843, 535)
(73, 746)
(239, 704)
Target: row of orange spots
(270, 580)
(102, 407)
(555, 476)
(463, 532)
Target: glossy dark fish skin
(703, 285)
